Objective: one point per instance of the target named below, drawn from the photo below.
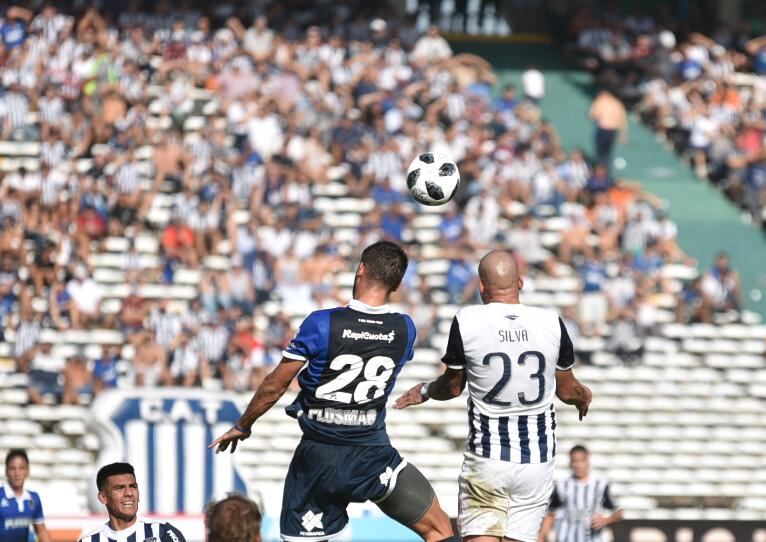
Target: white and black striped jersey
(575, 502)
(142, 530)
(510, 353)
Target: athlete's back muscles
(354, 355)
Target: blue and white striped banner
(164, 434)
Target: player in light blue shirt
(20, 510)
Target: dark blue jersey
(354, 355)
(18, 514)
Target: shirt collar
(10, 494)
(364, 307)
(125, 532)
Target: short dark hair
(113, 469)
(13, 454)
(233, 519)
(385, 262)
(579, 448)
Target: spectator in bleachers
(45, 371)
(608, 114)
(78, 381)
(432, 47)
(594, 306)
(86, 295)
(104, 372)
(721, 286)
(150, 363)
(28, 334)
(533, 84)
(186, 365)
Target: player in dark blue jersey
(20, 510)
(352, 356)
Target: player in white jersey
(514, 359)
(582, 505)
(118, 492)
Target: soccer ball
(432, 179)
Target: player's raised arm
(271, 389)
(450, 383)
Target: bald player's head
(499, 278)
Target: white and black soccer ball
(432, 179)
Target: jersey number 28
(377, 373)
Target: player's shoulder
(319, 317)
(88, 535)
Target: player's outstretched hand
(583, 404)
(232, 436)
(412, 397)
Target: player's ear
(521, 282)
(102, 498)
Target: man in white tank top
(514, 359)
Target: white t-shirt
(533, 83)
(86, 294)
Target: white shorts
(503, 499)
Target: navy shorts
(324, 478)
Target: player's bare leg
(435, 525)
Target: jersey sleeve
(566, 349)
(556, 502)
(607, 501)
(454, 357)
(168, 533)
(413, 333)
(306, 343)
(37, 513)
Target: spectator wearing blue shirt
(600, 181)
(20, 510)
(460, 276)
(594, 306)
(452, 226)
(393, 222)
(384, 194)
(105, 371)
(14, 29)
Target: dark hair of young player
(112, 469)
(579, 448)
(14, 453)
(385, 263)
(233, 519)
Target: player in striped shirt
(118, 492)
(579, 503)
(514, 359)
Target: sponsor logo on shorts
(312, 521)
(367, 336)
(385, 477)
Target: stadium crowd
(293, 100)
(704, 94)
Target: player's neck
(117, 524)
(372, 297)
(508, 299)
(18, 491)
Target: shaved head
(499, 275)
